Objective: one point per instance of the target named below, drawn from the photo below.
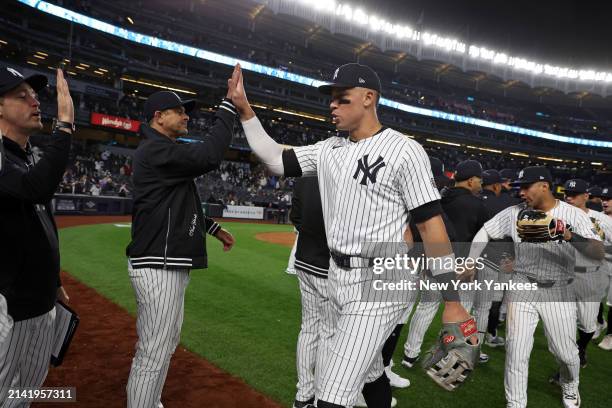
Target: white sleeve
(500, 225)
(308, 157)
(479, 243)
(415, 179)
(265, 148)
(583, 226)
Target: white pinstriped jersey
(605, 223)
(368, 187)
(548, 260)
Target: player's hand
(468, 274)
(454, 312)
(65, 107)
(62, 295)
(233, 81)
(239, 98)
(226, 238)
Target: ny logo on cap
(369, 170)
(336, 73)
(521, 174)
(361, 80)
(14, 72)
(572, 184)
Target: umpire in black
(29, 278)
(169, 231)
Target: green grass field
(243, 314)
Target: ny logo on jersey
(369, 170)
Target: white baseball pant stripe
(352, 356)
(589, 288)
(160, 296)
(317, 315)
(25, 356)
(559, 320)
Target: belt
(549, 284)
(350, 262)
(584, 269)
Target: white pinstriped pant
(317, 315)
(160, 296)
(589, 288)
(25, 356)
(559, 317)
(352, 356)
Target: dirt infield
(281, 238)
(99, 359)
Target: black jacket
(29, 273)
(467, 213)
(312, 253)
(168, 225)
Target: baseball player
(544, 266)
(595, 201)
(467, 213)
(606, 343)
(168, 232)
(370, 182)
(589, 281)
(312, 264)
(495, 201)
(29, 279)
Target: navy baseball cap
(606, 193)
(595, 191)
(467, 169)
(533, 174)
(351, 76)
(10, 78)
(162, 100)
(575, 186)
(490, 177)
(507, 174)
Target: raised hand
(231, 83)
(65, 108)
(239, 98)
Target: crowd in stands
(94, 172)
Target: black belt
(344, 261)
(584, 269)
(548, 284)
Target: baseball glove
(451, 360)
(537, 226)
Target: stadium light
(375, 24)
(154, 85)
(443, 142)
(183, 49)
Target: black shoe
(583, 358)
(303, 404)
(555, 379)
(409, 362)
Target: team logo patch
(369, 170)
(448, 339)
(468, 328)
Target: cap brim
(327, 88)
(37, 82)
(189, 105)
